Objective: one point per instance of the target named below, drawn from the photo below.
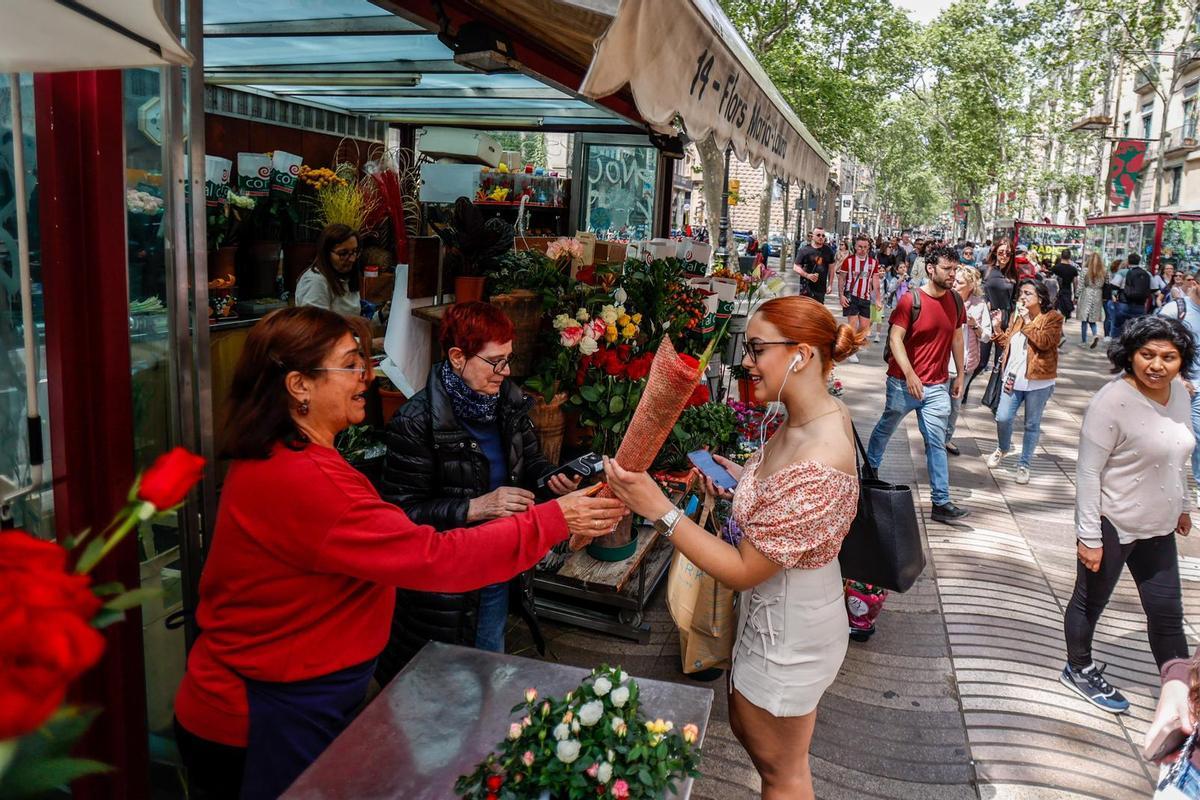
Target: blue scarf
(468, 404)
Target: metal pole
(723, 234)
(33, 419)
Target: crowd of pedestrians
(954, 313)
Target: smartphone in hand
(703, 461)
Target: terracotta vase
(390, 402)
(222, 262)
(468, 288)
(524, 308)
(745, 390)
(549, 421)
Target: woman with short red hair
(461, 452)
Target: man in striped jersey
(858, 285)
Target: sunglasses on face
(754, 348)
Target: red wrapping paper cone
(668, 386)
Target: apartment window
(1148, 120)
(1189, 110)
(1176, 176)
(1125, 124)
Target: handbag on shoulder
(884, 546)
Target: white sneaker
(852, 359)
(1022, 475)
(995, 458)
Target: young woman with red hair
(461, 452)
(794, 503)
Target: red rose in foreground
(699, 395)
(46, 637)
(168, 480)
(639, 367)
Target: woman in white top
(1029, 368)
(1131, 498)
(977, 330)
(332, 281)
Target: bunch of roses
(50, 612)
(617, 362)
(586, 332)
(593, 743)
(564, 248)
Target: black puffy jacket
(433, 469)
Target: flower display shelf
(446, 711)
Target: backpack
(1180, 308)
(1137, 286)
(915, 312)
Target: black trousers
(214, 771)
(1154, 565)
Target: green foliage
(532, 271)
(712, 426)
(40, 762)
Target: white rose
(602, 686)
(582, 315)
(620, 296)
(562, 321)
(622, 677)
(588, 346)
(609, 314)
(619, 726)
(562, 731)
(590, 713)
(620, 696)
(567, 751)
(604, 774)
(574, 726)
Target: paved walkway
(957, 695)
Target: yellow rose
(623, 320)
(629, 331)
(610, 335)
(637, 319)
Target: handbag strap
(865, 471)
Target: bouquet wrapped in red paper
(672, 379)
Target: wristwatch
(667, 522)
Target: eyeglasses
(346, 253)
(754, 348)
(362, 370)
(498, 365)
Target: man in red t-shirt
(918, 369)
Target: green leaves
(39, 763)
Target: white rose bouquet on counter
(594, 742)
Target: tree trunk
(764, 206)
(712, 164)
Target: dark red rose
(624, 351)
(169, 478)
(639, 367)
(612, 363)
(46, 637)
(699, 395)
(691, 361)
(586, 275)
(494, 782)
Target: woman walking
(1131, 487)
(1089, 306)
(1029, 367)
(794, 501)
(976, 331)
(999, 281)
(1110, 295)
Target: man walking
(921, 341)
(1186, 309)
(860, 286)
(1135, 286)
(812, 265)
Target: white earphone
(797, 360)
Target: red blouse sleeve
(376, 541)
(804, 512)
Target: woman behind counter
(463, 451)
(297, 592)
(332, 281)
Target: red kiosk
(1160, 239)
(1044, 238)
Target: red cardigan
(299, 579)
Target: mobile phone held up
(585, 466)
(703, 461)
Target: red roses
(46, 637)
(168, 480)
(616, 363)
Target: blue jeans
(1083, 330)
(933, 413)
(1189, 781)
(493, 617)
(1124, 313)
(1006, 412)
(1110, 317)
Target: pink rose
(527, 759)
(570, 336)
(598, 328)
(620, 789)
(593, 769)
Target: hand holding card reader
(585, 467)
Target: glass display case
(616, 186)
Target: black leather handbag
(991, 394)
(884, 546)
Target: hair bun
(847, 341)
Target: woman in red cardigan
(298, 589)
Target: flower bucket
(468, 288)
(524, 308)
(549, 422)
(390, 402)
(616, 546)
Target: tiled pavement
(957, 695)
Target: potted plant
(390, 398)
(526, 285)
(706, 426)
(473, 247)
(364, 449)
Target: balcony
(1187, 57)
(1182, 140)
(1094, 120)
(1145, 79)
